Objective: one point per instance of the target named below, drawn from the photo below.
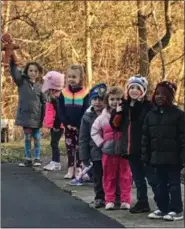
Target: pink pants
(116, 170)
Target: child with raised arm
(129, 118)
(116, 169)
(31, 106)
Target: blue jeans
(169, 196)
(140, 174)
(30, 133)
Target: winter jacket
(72, 104)
(163, 140)
(31, 105)
(51, 118)
(130, 122)
(104, 136)
(87, 148)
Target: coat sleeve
(57, 122)
(16, 74)
(145, 142)
(43, 106)
(97, 132)
(86, 103)
(61, 109)
(181, 137)
(84, 139)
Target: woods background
(112, 39)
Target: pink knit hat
(53, 80)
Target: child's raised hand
(119, 107)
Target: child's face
(160, 96)
(73, 77)
(134, 92)
(114, 101)
(33, 72)
(97, 104)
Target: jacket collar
(74, 90)
(161, 109)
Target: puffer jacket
(51, 118)
(163, 140)
(130, 122)
(72, 103)
(104, 136)
(87, 148)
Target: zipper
(158, 134)
(129, 133)
(73, 99)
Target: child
(115, 167)
(73, 102)
(53, 84)
(163, 146)
(87, 148)
(30, 112)
(129, 119)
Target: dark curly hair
(170, 91)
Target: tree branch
(152, 52)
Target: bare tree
(147, 54)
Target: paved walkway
(29, 200)
(86, 194)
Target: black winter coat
(163, 140)
(132, 119)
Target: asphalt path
(29, 200)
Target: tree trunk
(180, 84)
(88, 44)
(143, 49)
(155, 49)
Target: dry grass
(14, 151)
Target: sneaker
(99, 203)
(70, 173)
(26, 163)
(157, 214)
(125, 206)
(140, 207)
(53, 166)
(173, 216)
(110, 206)
(76, 182)
(37, 163)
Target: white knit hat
(141, 82)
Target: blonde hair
(113, 91)
(80, 69)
